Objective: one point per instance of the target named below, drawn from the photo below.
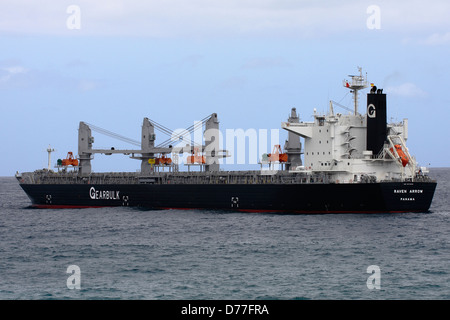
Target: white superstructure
(337, 144)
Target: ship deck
(219, 177)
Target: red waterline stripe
(318, 212)
(285, 211)
(50, 206)
(61, 206)
(170, 208)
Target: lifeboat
(401, 154)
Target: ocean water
(126, 253)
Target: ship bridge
(354, 145)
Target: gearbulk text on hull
(350, 163)
(102, 194)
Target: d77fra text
(235, 309)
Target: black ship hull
(289, 198)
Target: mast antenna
(49, 150)
(357, 83)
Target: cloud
(10, 74)
(16, 69)
(169, 18)
(222, 18)
(406, 90)
(15, 76)
(437, 39)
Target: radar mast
(357, 83)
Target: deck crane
(148, 151)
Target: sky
(112, 63)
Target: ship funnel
(376, 120)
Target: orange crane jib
(196, 158)
(70, 160)
(277, 155)
(163, 160)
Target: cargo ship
(350, 163)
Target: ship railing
(381, 154)
(74, 178)
(219, 177)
